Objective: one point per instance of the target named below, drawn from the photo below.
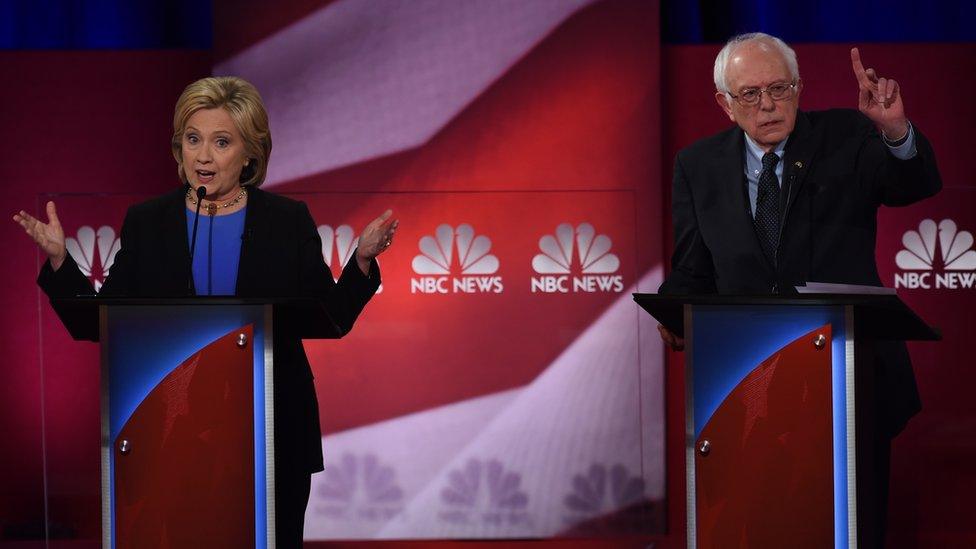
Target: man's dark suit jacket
(837, 171)
(281, 256)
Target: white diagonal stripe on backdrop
(360, 80)
(585, 409)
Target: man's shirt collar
(755, 151)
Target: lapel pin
(798, 164)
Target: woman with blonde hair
(249, 243)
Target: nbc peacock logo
(936, 256)
(83, 247)
(590, 269)
(338, 245)
(455, 260)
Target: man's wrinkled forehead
(756, 59)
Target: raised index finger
(862, 77)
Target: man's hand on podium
(676, 343)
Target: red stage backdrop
(496, 387)
(73, 123)
(502, 383)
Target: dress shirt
(754, 154)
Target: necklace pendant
(211, 209)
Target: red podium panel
(187, 446)
(779, 409)
(766, 479)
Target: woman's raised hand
(49, 236)
(375, 239)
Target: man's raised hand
(880, 100)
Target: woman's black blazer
(281, 256)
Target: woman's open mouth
(205, 176)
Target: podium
(779, 422)
(187, 412)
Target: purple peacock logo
(590, 495)
(486, 491)
(359, 487)
(605, 492)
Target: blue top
(218, 252)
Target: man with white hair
(787, 197)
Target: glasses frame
(738, 98)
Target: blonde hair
(243, 102)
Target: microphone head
(201, 192)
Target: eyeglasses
(777, 92)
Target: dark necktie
(767, 207)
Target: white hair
(722, 59)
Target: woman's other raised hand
(49, 236)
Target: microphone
(785, 204)
(784, 207)
(201, 192)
